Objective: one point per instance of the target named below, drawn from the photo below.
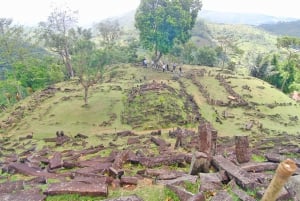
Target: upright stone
(242, 149)
(214, 134)
(202, 161)
(205, 135)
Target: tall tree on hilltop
(87, 61)
(55, 33)
(162, 23)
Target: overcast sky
(30, 12)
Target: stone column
(205, 134)
(242, 149)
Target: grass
(170, 195)
(146, 191)
(191, 187)
(15, 177)
(258, 158)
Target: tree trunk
(67, 62)
(69, 65)
(70, 69)
(157, 58)
(283, 84)
(86, 90)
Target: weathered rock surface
(259, 167)
(126, 198)
(293, 187)
(222, 196)
(75, 187)
(210, 182)
(28, 195)
(241, 177)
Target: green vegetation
(283, 28)
(191, 187)
(164, 23)
(258, 158)
(170, 195)
(236, 77)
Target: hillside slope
(251, 40)
(139, 99)
(283, 28)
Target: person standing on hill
(174, 66)
(145, 63)
(164, 67)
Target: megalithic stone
(242, 149)
(205, 135)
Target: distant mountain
(241, 18)
(126, 20)
(283, 28)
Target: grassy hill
(141, 100)
(283, 28)
(244, 36)
(135, 98)
(240, 18)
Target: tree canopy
(162, 23)
(55, 33)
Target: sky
(278, 8)
(30, 12)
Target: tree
(206, 56)
(188, 52)
(12, 50)
(292, 46)
(86, 62)
(55, 33)
(109, 30)
(261, 68)
(25, 67)
(162, 23)
(228, 47)
(274, 76)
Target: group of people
(163, 66)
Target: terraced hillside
(139, 132)
(141, 99)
